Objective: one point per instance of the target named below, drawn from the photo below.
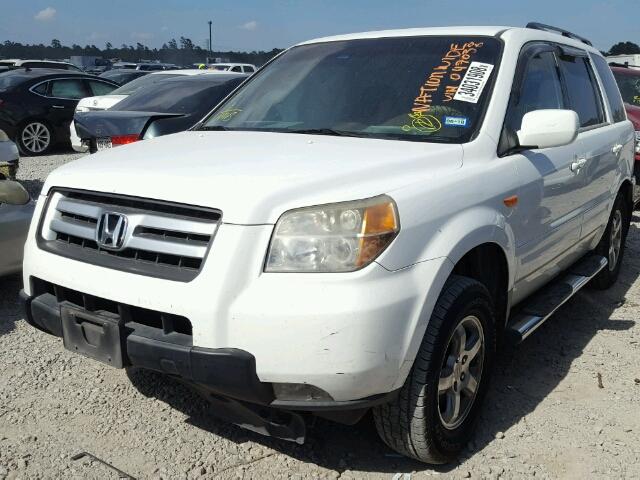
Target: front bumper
(225, 372)
(351, 335)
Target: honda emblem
(111, 231)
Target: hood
(633, 113)
(253, 177)
(110, 123)
(101, 102)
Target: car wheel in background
(434, 415)
(34, 138)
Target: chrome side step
(543, 304)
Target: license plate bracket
(97, 335)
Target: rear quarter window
(610, 88)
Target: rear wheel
(435, 413)
(611, 245)
(35, 138)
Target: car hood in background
(110, 123)
(101, 102)
(253, 177)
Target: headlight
(338, 237)
(82, 109)
(637, 141)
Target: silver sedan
(16, 210)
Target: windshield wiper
(213, 128)
(324, 131)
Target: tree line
(180, 52)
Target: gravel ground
(564, 405)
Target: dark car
(170, 106)
(628, 80)
(122, 76)
(37, 106)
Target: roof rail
(564, 33)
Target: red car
(629, 84)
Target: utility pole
(210, 44)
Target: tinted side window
(100, 88)
(237, 69)
(540, 89)
(69, 88)
(610, 88)
(582, 90)
(42, 88)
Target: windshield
(129, 88)
(629, 85)
(409, 88)
(186, 95)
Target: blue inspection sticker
(456, 121)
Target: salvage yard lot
(566, 404)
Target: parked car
(122, 76)
(171, 106)
(234, 67)
(628, 80)
(9, 158)
(353, 228)
(13, 64)
(104, 102)
(16, 211)
(37, 106)
(124, 66)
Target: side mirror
(13, 193)
(548, 128)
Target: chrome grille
(162, 239)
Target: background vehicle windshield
(185, 95)
(629, 85)
(145, 81)
(410, 88)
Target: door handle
(617, 148)
(58, 106)
(578, 164)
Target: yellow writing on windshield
(442, 82)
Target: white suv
(358, 226)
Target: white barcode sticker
(473, 83)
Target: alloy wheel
(461, 372)
(615, 240)
(36, 137)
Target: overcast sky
(265, 24)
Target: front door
(547, 223)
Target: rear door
(62, 97)
(617, 140)
(595, 159)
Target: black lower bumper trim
(225, 372)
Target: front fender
(452, 236)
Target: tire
(418, 423)
(34, 137)
(615, 234)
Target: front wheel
(435, 413)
